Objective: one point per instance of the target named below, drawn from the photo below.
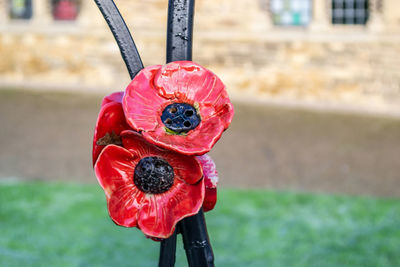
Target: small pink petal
(209, 171)
(210, 181)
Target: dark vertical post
(168, 251)
(179, 47)
(196, 242)
(180, 30)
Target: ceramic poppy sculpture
(149, 187)
(150, 142)
(111, 122)
(180, 106)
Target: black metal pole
(193, 229)
(122, 35)
(196, 242)
(180, 30)
(168, 251)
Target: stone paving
(48, 136)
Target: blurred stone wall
(321, 64)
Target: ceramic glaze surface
(184, 84)
(155, 214)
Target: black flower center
(153, 175)
(180, 117)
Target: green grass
(47, 224)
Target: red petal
(124, 206)
(111, 119)
(114, 170)
(142, 105)
(222, 109)
(136, 144)
(226, 114)
(184, 80)
(161, 212)
(211, 90)
(210, 199)
(114, 167)
(185, 167)
(114, 97)
(197, 142)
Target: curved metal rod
(122, 35)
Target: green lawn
(48, 224)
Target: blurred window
(291, 12)
(20, 9)
(349, 11)
(65, 9)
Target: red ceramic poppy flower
(210, 181)
(149, 187)
(110, 123)
(180, 106)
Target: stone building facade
(325, 53)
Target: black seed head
(153, 175)
(180, 117)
